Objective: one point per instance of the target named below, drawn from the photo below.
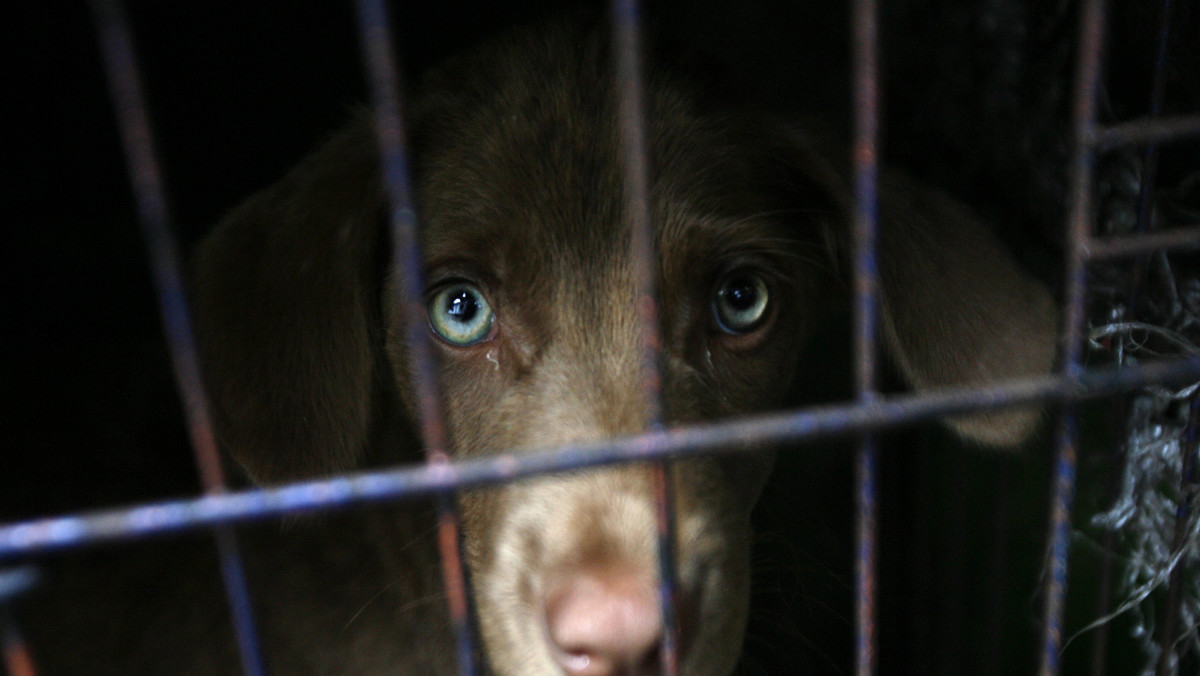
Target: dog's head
(531, 307)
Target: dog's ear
(286, 297)
(955, 307)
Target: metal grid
(220, 509)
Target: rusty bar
(636, 173)
(125, 86)
(1145, 131)
(150, 195)
(18, 660)
(1189, 490)
(1060, 543)
(1081, 169)
(1091, 38)
(867, 528)
(15, 654)
(866, 288)
(865, 159)
(383, 79)
(38, 536)
(631, 118)
(1097, 248)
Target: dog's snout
(605, 622)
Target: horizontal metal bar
(1146, 131)
(1132, 245)
(39, 536)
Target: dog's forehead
(519, 161)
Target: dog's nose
(605, 623)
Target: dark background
(976, 101)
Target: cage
(1006, 106)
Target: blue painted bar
(39, 536)
(137, 139)
(627, 57)
(1081, 217)
(383, 79)
(865, 159)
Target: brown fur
(518, 190)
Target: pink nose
(605, 623)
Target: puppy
(531, 309)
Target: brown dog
(531, 310)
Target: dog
(531, 307)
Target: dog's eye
(741, 302)
(460, 315)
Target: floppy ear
(956, 308)
(286, 297)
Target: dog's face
(532, 306)
(532, 309)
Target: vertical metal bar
(142, 165)
(17, 658)
(1055, 590)
(383, 82)
(1168, 660)
(1091, 30)
(866, 290)
(14, 651)
(626, 49)
(1141, 264)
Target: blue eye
(460, 315)
(741, 302)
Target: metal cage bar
(221, 509)
(137, 139)
(38, 536)
(1091, 29)
(631, 119)
(865, 159)
(14, 651)
(1123, 247)
(383, 78)
(16, 655)
(1149, 130)
(1178, 239)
